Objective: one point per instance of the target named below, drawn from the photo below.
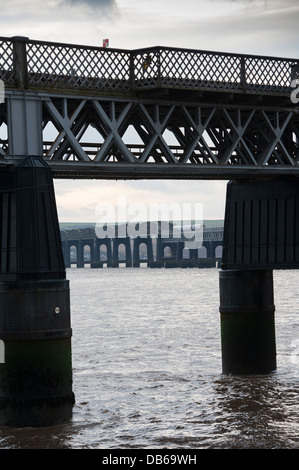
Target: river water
(147, 368)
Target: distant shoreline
(82, 225)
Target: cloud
(248, 26)
(253, 27)
(82, 201)
(95, 3)
(68, 21)
(106, 6)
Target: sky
(266, 27)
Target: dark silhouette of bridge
(82, 112)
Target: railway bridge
(83, 247)
(80, 112)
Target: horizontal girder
(138, 139)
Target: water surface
(147, 368)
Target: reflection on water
(147, 368)
(255, 411)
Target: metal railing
(26, 63)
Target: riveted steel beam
(140, 138)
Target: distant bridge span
(94, 112)
(78, 239)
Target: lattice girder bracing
(132, 135)
(212, 135)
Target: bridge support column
(261, 233)
(80, 254)
(36, 376)
(179, 253)
(66, 254)
(247, 322)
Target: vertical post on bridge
(20, 61)
(261, 233)
(36, 376)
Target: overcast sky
(267, 27)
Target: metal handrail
(30, 63)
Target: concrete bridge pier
(80, 254)
(36, 376)
(261, 233)
(66, 253)
(247, 322)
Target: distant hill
(75, 225)
(214, 223)
(82, 225)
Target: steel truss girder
(100, 138)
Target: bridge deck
(230, 115)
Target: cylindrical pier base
(35, 383)
(247, 322)
(36, 375)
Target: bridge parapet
(27, 63)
